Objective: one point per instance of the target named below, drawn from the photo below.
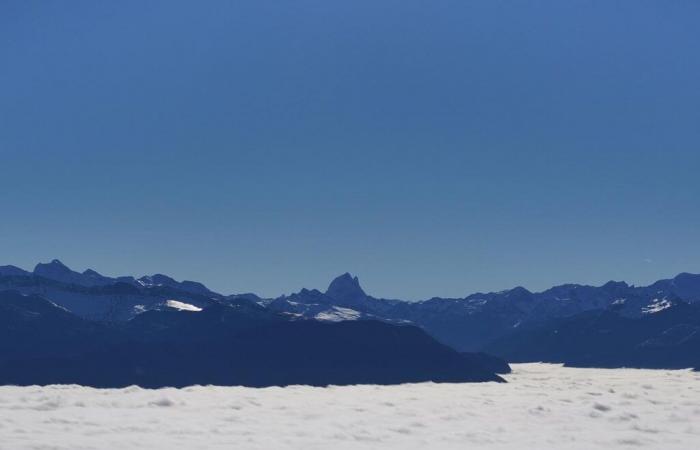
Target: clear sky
(430, 147)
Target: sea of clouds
(542, 407)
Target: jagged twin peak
(55, 267)
(57, 271)
(346, 289)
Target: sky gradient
(431, 148)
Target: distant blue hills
(612, 325)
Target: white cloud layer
(542, 406)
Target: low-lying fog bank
(542, 406)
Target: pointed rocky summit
(346, 289)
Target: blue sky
(430, 147)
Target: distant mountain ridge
(471, 322)
(94, 296)
(667, 336)
(466, 324)
(57, 271)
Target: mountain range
(499, 322)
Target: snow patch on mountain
(338, 314)
(181, 306)
(656, 306)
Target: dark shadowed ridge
(238, 344)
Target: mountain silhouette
(243, 344)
